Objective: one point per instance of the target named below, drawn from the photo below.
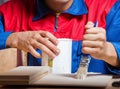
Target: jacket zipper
(56, 21)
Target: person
(35, 25)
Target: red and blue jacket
(33, 15)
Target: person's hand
(95, 44)
(29, 41)
(94, 41)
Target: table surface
(109, 86)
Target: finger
(95, 30)
(48, 44)
(44, 48)
(94, 37)
(88, 50)
(33, 52)
(93, 44)
(89, 25)
(44, 40)
(50, 36)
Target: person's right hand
(29, 41)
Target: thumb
(89, 25)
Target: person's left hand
(94, 41)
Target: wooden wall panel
(8, 59)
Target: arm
(95, 44)
(3, 35)
(29, 41)
(107, 46)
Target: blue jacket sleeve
(3, 35)
(113, 32)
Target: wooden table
(109, 86)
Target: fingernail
(57, 51)
(53, 56)
(57, 42)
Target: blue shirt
(78, 8)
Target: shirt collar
(78, 7)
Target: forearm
(111, 56)
(12, 40)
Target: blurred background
(2, 1)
